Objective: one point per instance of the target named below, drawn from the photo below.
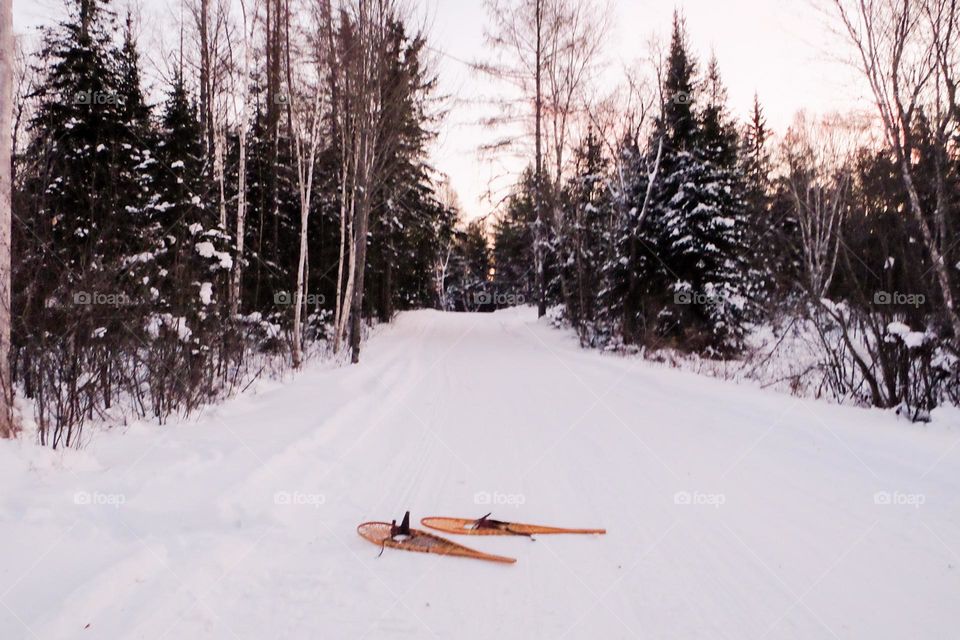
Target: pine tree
(655, 247)
(583, 250)
(628, 253)
(679, 121)
(137, 161)
(404, 236)
(83, 199)
(769, 249)
(719, 259)
(273, 218)
(193, 254)
(513, 241)
(468, 284)
(701, 284)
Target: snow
(206, 292)
(207, 250)
(912, 339)
(732, 512)
(176, 324)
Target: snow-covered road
(732, 512)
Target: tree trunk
(298, 297)
(206, 107)
(356, 320)
(538, 239)
(7, 425)
(237, 276)
(937, 259)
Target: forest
(479, 319)
(271, 197)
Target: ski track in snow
(187, 532)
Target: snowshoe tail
(382, 535)
(486, 527)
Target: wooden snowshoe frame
(379, 533)
(487, 527)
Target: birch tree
(909, 53)
(7, 426)
(305, 113)
(241, 103)
(818, 157)
(365, 110)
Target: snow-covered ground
(732, 512)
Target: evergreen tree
(193, 255)
(467, 284)
(407, 226)
(716, 262)
(273, 220)
(700, 284)
(665, 238)
(630, 255)
(771, 252)
(583, 250)
(513, 241)
(83, 199)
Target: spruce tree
(194, 254)
(701, 284)
(664, 243)
(513, 241)
(627, 268)
(764, 237)
(84, 197)
(718, 261)
(583, 250)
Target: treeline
(691, 230)
(276, 196)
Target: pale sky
(781, 49)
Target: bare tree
(340, 81)
(304, 108)
(517, 30)
(909, 52)
(551, 48)
(7, 426)
(365, 108)
(370, 21)
(576, 33)
(817, 156)
(241, 101)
